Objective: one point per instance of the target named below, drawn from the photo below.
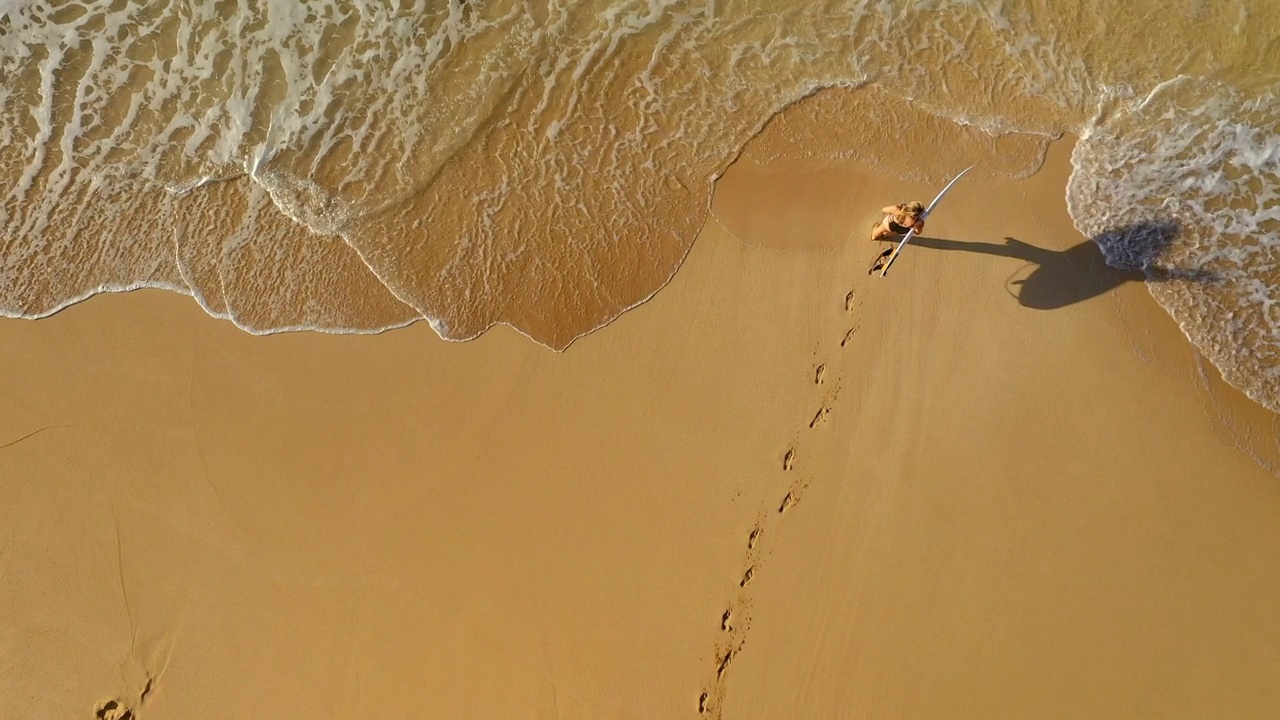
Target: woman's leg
(881, 230)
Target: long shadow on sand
(1066, 277)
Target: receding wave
(352, 166)
(1195, 166)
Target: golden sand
(780, 489)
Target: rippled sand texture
(349, 167)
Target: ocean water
(357, 166)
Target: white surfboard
(912, 232)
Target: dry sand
(982, 510)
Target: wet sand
(997, 484)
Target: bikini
(898, 229)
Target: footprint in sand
(724, 619)
(702, 704)
(818, 373)
(789, 459)
(848, 336)
(753, 538)
(848, 301)
(787, 502)
(723, 664)
(822, 415)
(880, 260)
(746, 577)
(112, 710)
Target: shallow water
(351, 167)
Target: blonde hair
(909, 213)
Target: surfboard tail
(894, 255)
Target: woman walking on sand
(899, 220)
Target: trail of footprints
(735, 619)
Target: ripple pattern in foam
(121, 121)
(542, 165)
(1185, 184)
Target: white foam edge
(230, 314)
(111, 288)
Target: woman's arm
(890, 209)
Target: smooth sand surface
(1012, 490)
